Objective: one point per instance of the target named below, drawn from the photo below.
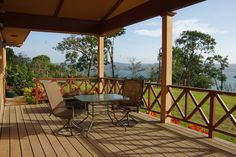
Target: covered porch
(27, 130)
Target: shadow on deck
(27, 130)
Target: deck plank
(67, 145)
(14, 142)
(86, 149)
(26, 149)
(59, 149)
(34, 140)
(5, 134)
(28, 131)
(46, 145)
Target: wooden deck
(27, 130)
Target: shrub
(29, 96)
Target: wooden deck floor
(27, 130)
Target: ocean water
(123, 71)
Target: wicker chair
(134, 90)
(60, 108)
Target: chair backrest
(133, 89)
(54, 95)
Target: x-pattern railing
(210, 100)
(112, 85)
(68, 85)
(151, 97)
(180, 108)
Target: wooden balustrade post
(70, 85)
(166, 77)
(115, 86)
(212, 114)
(149, 97)
(186, 105)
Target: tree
(215, 72)
(111, 41)
(191, 46)
(18, 71)
(135, 68)
(81, 52)
(41, 65)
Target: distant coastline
(122, 70)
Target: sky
(142, 41)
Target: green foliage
(81, 52)
(21, 71)
(217, 73)
(29, 96)
(19, 74)
(191, 68)
(41, 65)
(190, 48)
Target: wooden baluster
(115, 86)
(149, 97)
(186, 104)
(212, 114)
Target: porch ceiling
(101, 17)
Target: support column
(2, 75)
(100, 62)
(166, 77)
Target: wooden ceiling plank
(114, 7)
(58, 8)
(145, 11)
(48, 23)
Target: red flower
(175, 121)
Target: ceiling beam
(58, 8)
(114, 7)
(150, 9)
(48, 23)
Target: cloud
(153, 24)
(150, 33)
(178, 27)
(194, 24)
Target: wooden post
(100, 62)
(166, 77)
(212, 115)
(2, 75)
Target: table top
(101, 98)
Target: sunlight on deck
(27, 130)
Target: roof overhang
(98, 17)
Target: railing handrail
(203, 90)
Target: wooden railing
(207, 109)
(81, 85)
